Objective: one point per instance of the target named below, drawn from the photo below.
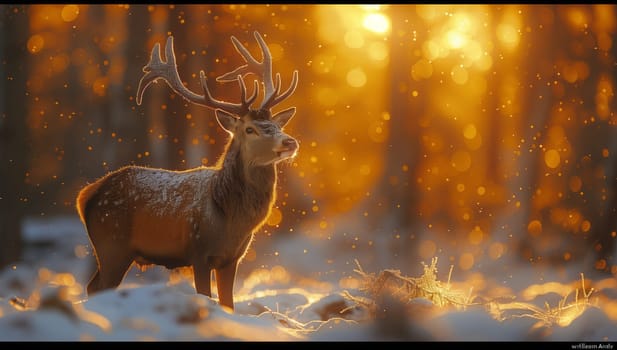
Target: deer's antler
(168, 71)
(262, 69)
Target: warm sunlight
(376, 22)
(312, 172)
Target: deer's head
(258, 132)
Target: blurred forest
(478, 131)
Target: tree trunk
(201, 121)
(393, 202)
(604, 215)
(154, 97)
(14, 146)
(510, 227)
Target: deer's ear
(283, 117)
(226, 120)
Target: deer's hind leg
(111, 268)
(111, 247)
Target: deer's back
(155, 211)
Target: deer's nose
(290, 143)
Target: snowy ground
(294, 289)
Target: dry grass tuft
(392, 284)
(299, 329)
(562, 315)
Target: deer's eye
(249, 130)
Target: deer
(205, 217)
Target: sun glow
(377, 22)
(455, 39)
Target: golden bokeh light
(484, 62)
(376, 22)
(275, 217)
(36, 43)
(508, 35)
(604, 96)
(354, 39)
(534, 228)
(585, 226)
(427, 249)
(473, 51)
(476, 235)
(378, 51)
(577, 17)
(475, 143)
(69, 13)
(432, 50)
(100, 86)
(470, 131)
(466, 261)
(459, 75)
(552, 158)
(605, 153)
(356, 78)
(456, 39)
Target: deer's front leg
(225, 284)
(201, 274)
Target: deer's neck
(242, 189)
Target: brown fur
(203, 217)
